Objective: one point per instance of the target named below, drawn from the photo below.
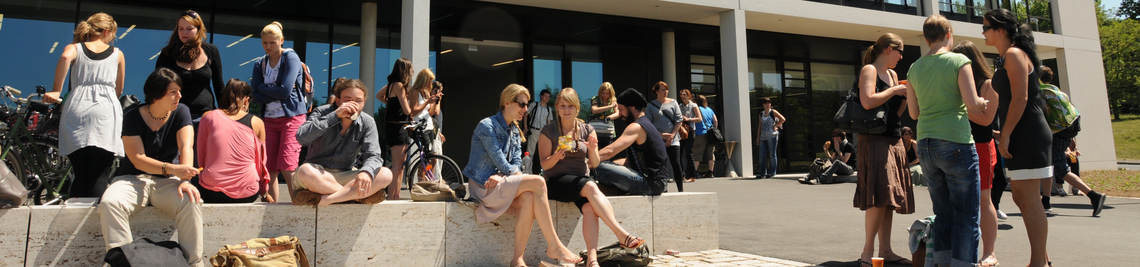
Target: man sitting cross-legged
(338, 135)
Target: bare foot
(989, 261)
(563, 254)
(519, 262)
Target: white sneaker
(1001, 215)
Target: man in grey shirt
(338, 135)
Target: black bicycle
(30, 147)
(422, 164)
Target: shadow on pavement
(854, 263)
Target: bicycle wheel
(56, 173)
(31, 183)
(438, 167)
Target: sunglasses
(897, 49)
(986, 28)
(521, 104)
(192, 14)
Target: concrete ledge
(14, 235)
(393, 233)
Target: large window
(32, 36)
(547, 69)
(830, 85)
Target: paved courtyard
(716, 258)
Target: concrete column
(669, 56)
(929, 7)
(1080, 70)
(734, 72)
(414, 25)
(368, 51)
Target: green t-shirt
(942, 114)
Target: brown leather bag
(279, 251)
(685, 130)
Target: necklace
(156, 119)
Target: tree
(1129, 9)
(1121, 55)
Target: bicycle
(31, 150)
(422, 164)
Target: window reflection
(34, 34)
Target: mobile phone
(435, 91)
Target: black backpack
(144, 253)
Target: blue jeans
(951, 172)
(768, 156)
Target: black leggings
(689, 166)
(999, 183)
(210, 196)
(675, 160)
(88, 164)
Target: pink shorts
(282, 151)
(987, 158)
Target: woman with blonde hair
(882, 191)
(420, 93)
(568, 149)
(276, 83)
(495, 171)
(603, 112)
(196, 61)
(92, 119)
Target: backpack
(616, 256)
(1059, 112)
(305, 85)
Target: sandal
(593, 264)
(902, 261)
(989, 262)
(632, 242)
(863, 263)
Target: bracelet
(185, 181)
(164, 169)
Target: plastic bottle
(526, 162)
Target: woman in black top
(195, 61)
(394, 96)
(159, 144)
(881, 191)
(1027, 157)
(980, 128)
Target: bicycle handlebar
(13, 91)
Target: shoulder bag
(279, 251)
(853, 118)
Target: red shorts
(282, 151)
(987, 158)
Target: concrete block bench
(393, 233)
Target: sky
(1113, 4)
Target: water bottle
(526, 163)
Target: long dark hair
(401, 72)
(1019, 33)
(982, 72)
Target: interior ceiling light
(155, 55)
(127, 31)
(506, 62)
(346, 46)
(53, 48)
(1, 20)
(238, 41)
(342, 65)
(249, 61)
(445, 52)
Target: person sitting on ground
(160, 152)
(839, 160)
(495, 171)
(568, 150)
(911, 146)
(231, 150)
(647, 155)
(338, 136)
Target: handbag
(279, 251)
(438, 190)
(12, 191)
(715, 136)
(616, 256)
(685, 130)
(853, 118)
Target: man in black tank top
(647, 150)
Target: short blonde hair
(607, 87)
(935, 28)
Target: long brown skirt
(884, 180)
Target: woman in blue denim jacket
(498, 182)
